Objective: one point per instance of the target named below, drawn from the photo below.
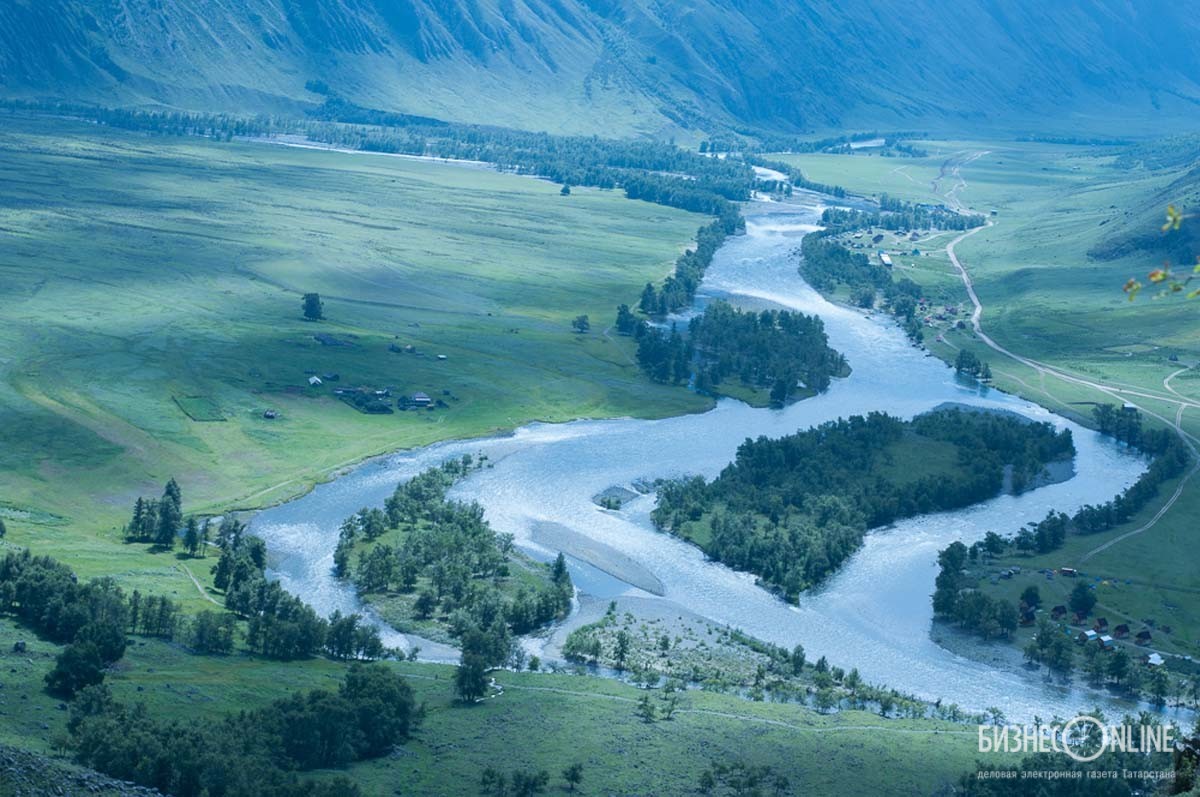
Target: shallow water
(874, 614)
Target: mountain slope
(626, 66)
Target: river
(874, 614)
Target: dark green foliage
(742, 778)
(792, 510)
(279, 624)
(157, 521)
(1171, 458)
(253, 752)
(761, 349)
(78, 666)
(211, 632)
(45, 595)
(627, 322)
(452, 547)
(1082, 598)
(471, 677)
(314, 308)
(954, 598)
(782, 350)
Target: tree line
(792, 509)
(92, 619)
(280, 625)
(1170, 458)
(782, 350)
(451, 561)
(825, 264)
(253, 753)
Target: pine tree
(191, 535)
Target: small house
(1058, 612)
(1106, 642)
(1080, 618)
(1121, 631)
(315, 381)
(886, 259)
(1155, 660)
(1143, 637)
(331, 377)
(1101, 624)
(421, 400)
(270, 415)
(1083, 637)
(1069, 572)
(441, 356)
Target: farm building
(1155, 660)
(421, 400)
(886, 259)
(315, 380)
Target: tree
(191, 536)
(645, 709)
(581, 324)
(627, 322)
(384, 704)
(649, 300)
(621, 654)
(77, 667)
(573, 775)
(1031, 597)
(471, 679)
(566, 190)
(1118, 666)
(4, 529)
(170, 515)
(314, 308)
(1082, 599)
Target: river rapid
(874, 614)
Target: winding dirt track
(1124, 395)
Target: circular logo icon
(1084, 720)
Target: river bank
(874, 614)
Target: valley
(550, 396)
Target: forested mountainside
(619, 67)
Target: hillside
(624, 66)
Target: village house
(1101, 624)
(1121, 631)
(1155, 660)
(1083, 637)
(1058, 612)
(1106, 642)
(1143, 637)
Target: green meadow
(592, 721)
(1045, 298)
(152, 314)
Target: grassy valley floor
(152, 291)
(588, 720)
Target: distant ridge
(623, 67)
